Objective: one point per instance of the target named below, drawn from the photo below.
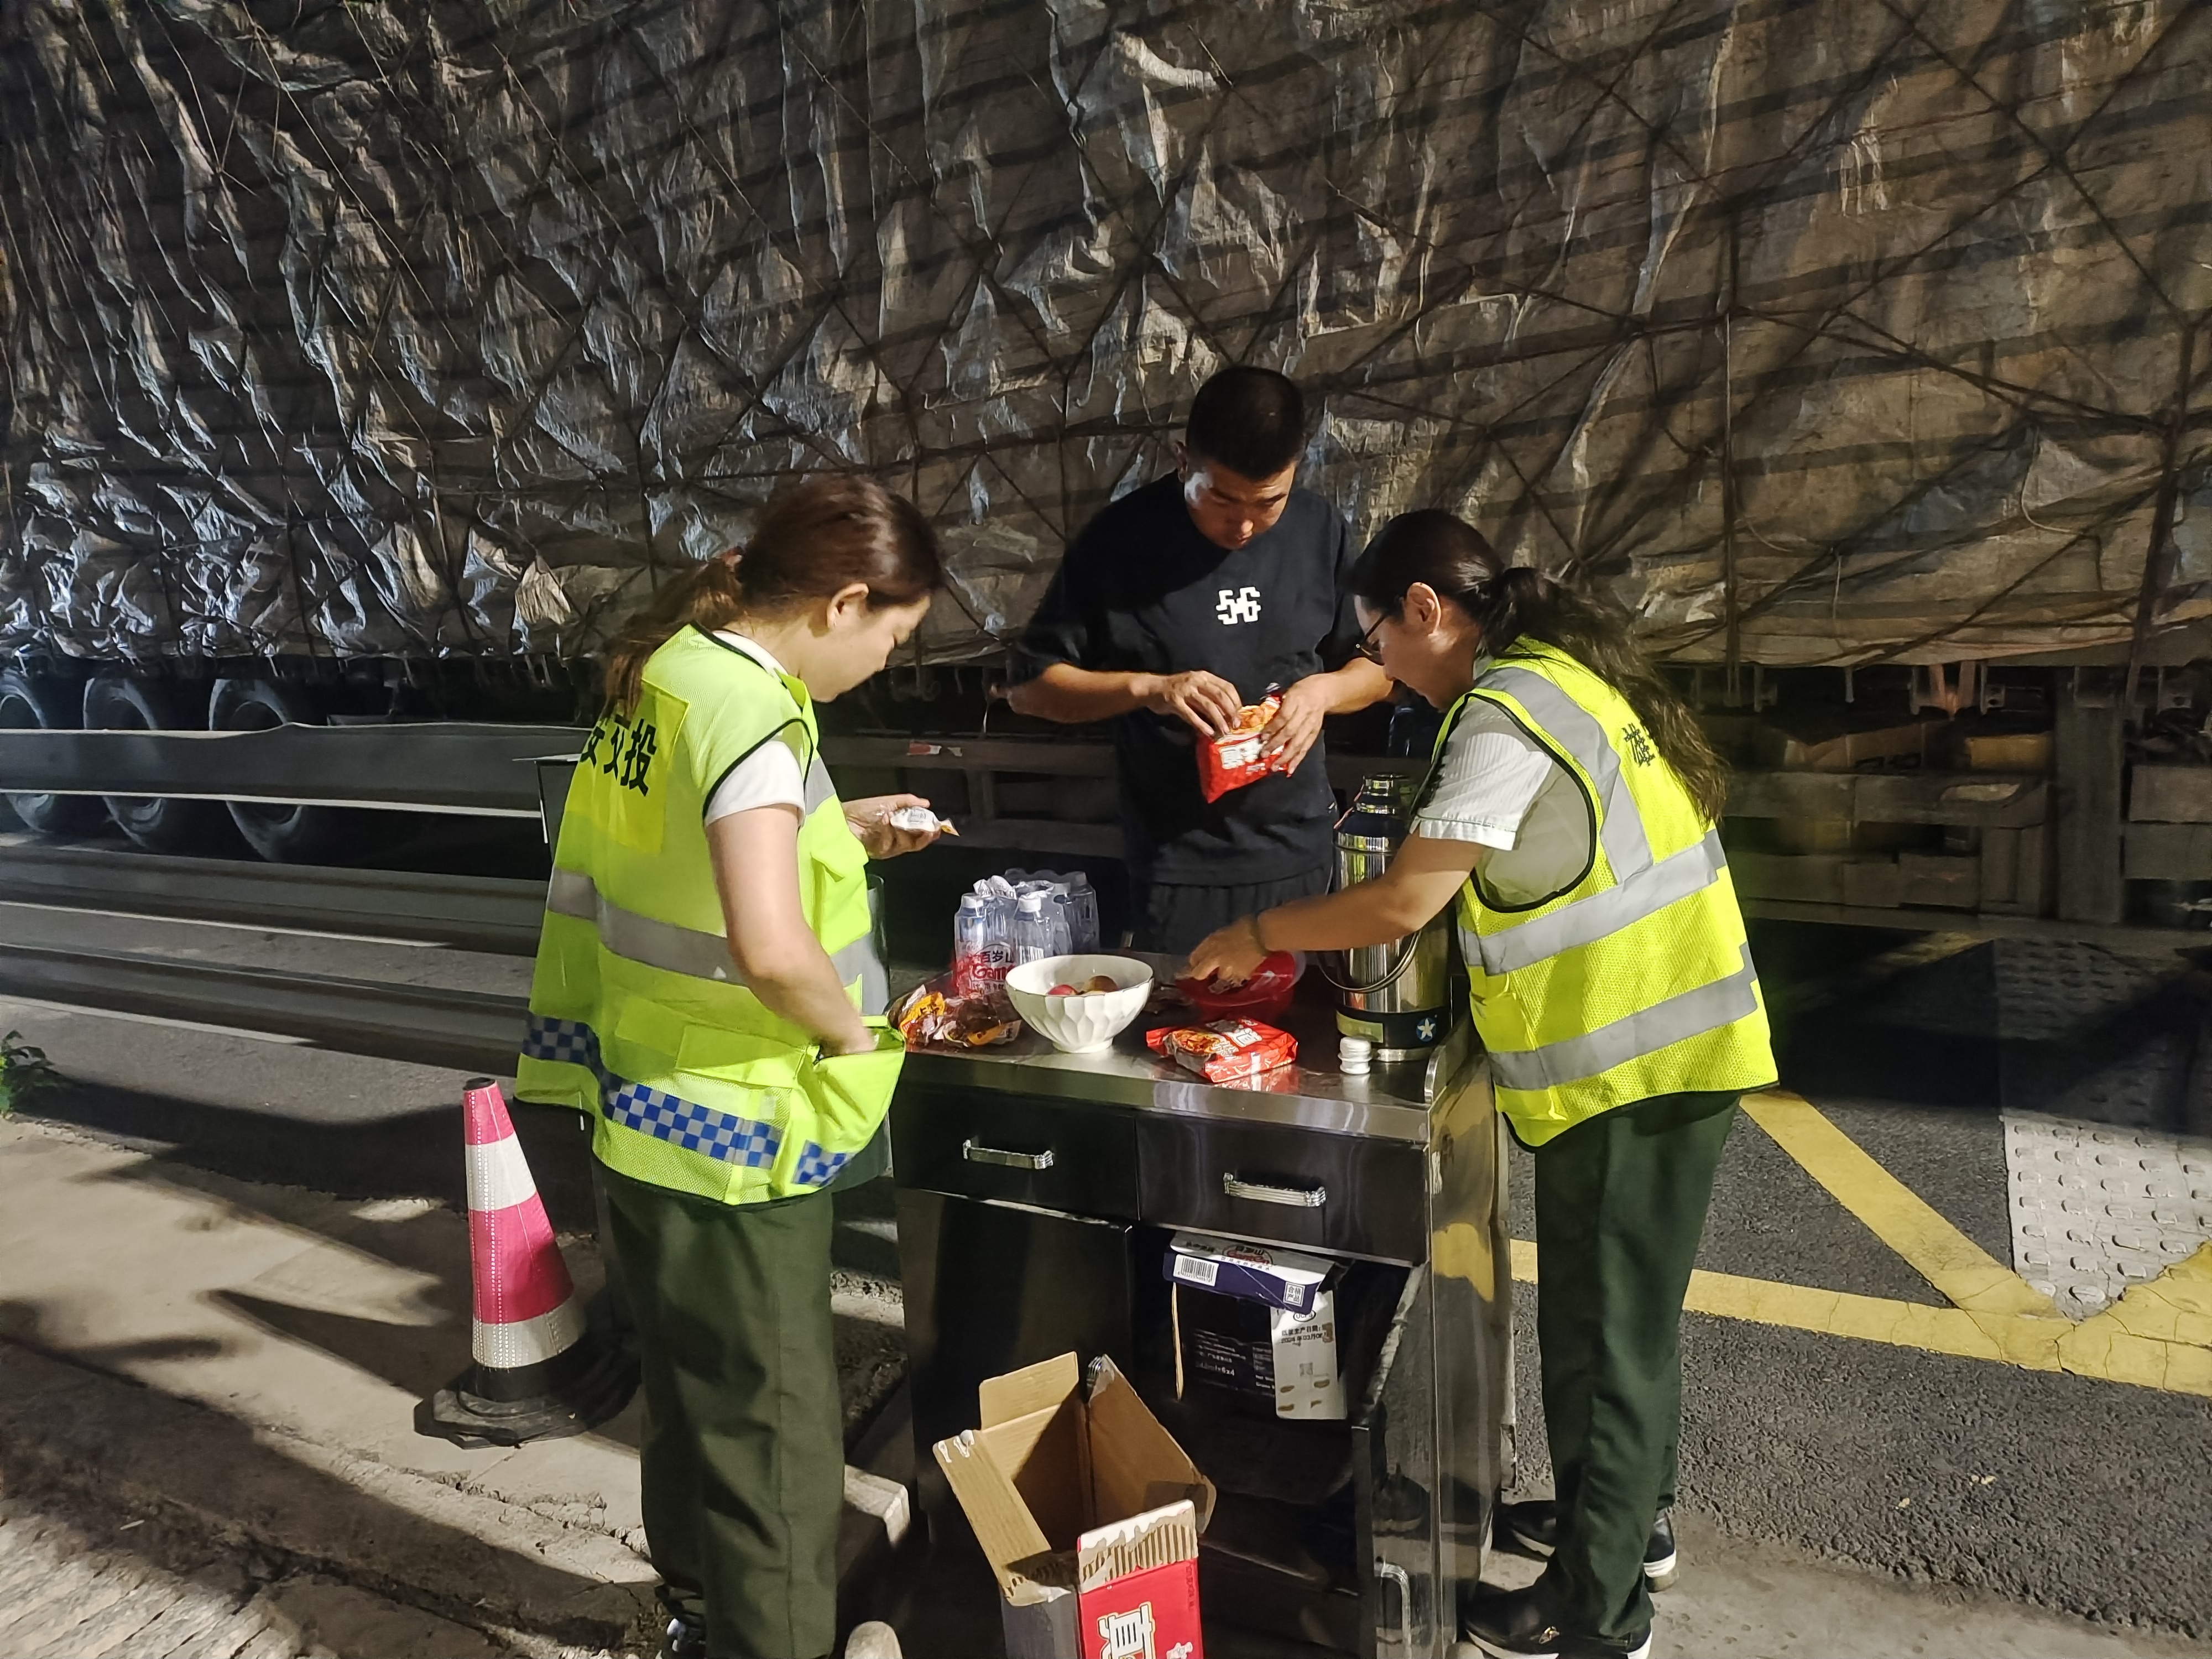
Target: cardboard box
(1258, 1321)
(1088, 1512)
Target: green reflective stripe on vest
(1636, 980)
(638, 1012)
(1691, 1013)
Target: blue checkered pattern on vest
(816, 1166)
(696, 1128)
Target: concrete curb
(411, 1538)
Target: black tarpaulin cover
(1838, 331)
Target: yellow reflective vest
(637, 1012)
(1636, 980)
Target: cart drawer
(1059, 1155)
(1294, 1186)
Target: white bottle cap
(1354, 1054)
(1032, 904)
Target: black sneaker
(1516, 1625)
(1533, 1528)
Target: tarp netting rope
(1843, 331)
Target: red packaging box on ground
(1088, 1511)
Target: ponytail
(1509, 603)
(814, 539)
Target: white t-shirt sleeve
(769, 776)
(1491, 775)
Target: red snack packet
(1227, 1051)
(1233, 759)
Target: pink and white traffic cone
(539, 1371)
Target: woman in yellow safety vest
(707, 990)
(1571, 811)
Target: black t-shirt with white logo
(1142, 591)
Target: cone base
(582, 1389)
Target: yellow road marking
(2121, 1345)
(1962, 1270)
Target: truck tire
(29, 704)
(280, 832)
(158, 824)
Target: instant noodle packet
(1227, 1051)
(1233, 759)
(930, 1014)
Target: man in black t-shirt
(1177, 604)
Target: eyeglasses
(1367, 650)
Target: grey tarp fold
(1838, 332)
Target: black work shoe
(684, 1638)
(1533, 1528)
(1517, 1625)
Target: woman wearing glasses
(1571, 815)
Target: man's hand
(1206, 701)
(1296, 726)
(870, 821)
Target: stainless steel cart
(1036, 1194)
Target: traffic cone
(540, 1371)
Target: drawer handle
(1268, 1192)
(976, 1152)
(1391, 1571)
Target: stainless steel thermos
(1399, 995)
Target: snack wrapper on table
(1233, 759)
(1226, 1051)
(931, 1015)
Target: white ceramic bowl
(1079, 1025)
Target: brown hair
(814, 538)
(1509, 602)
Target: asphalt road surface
(2078, 1493)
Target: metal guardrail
(472, 913)
(427, 1025)
(485, 770)
(497, 771)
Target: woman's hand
(870, 820)
(1229, 955)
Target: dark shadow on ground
(63, 1421)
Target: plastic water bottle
(1063, 920)
(971, 944)
(1083, 899)
(1033, 938)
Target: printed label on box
(1196, 1270)
(1308, 1383)
(1147, 1615)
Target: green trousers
(743, 1457)
(1620, 1206)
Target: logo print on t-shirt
(1240, 605)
